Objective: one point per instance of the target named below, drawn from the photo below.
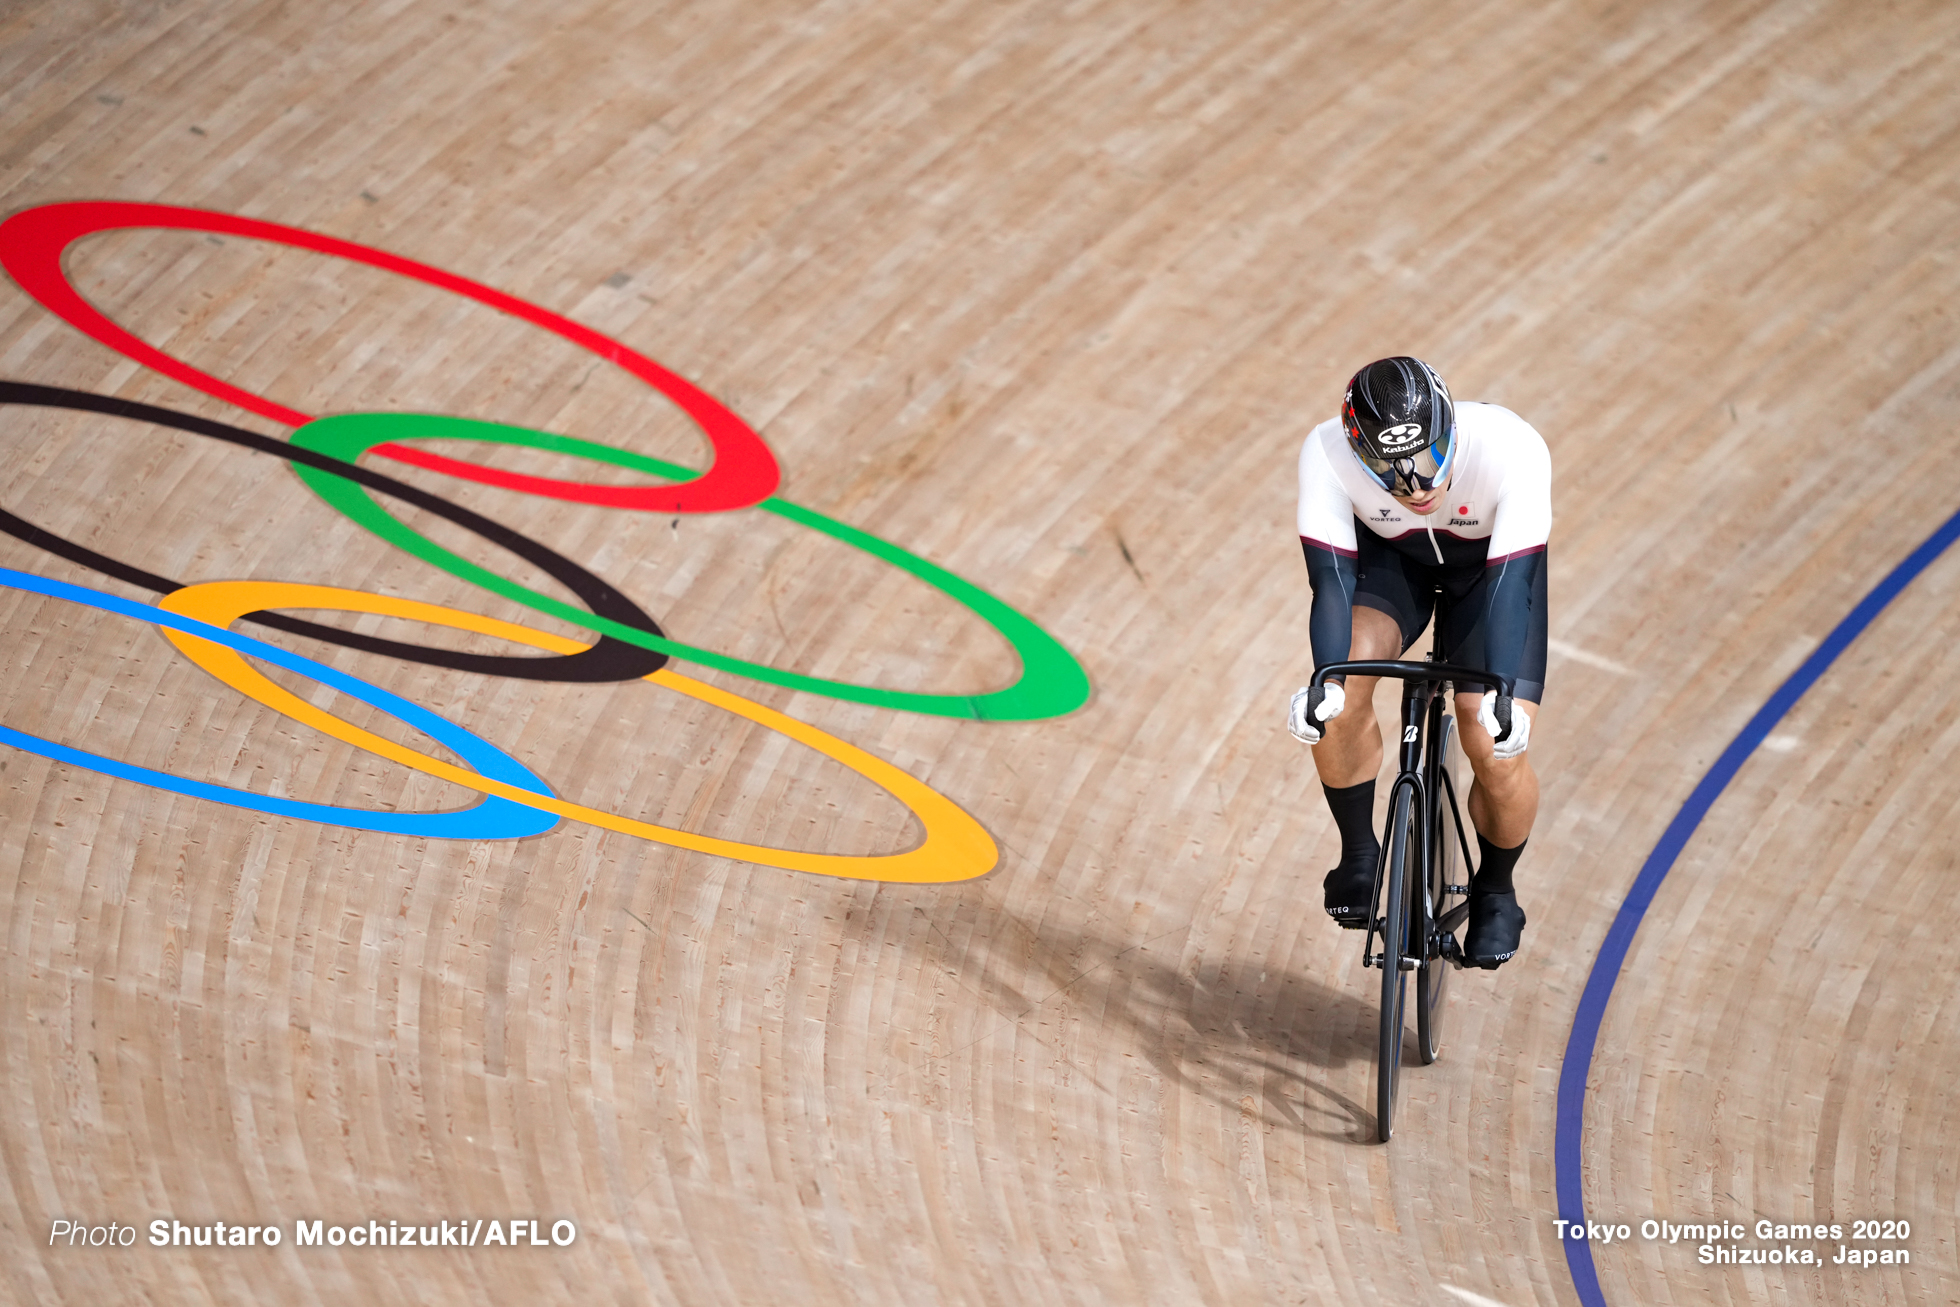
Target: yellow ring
(956, 847)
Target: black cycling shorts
(1391, 582)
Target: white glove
(1305, 729)
(1520, 737)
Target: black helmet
(1401, 424)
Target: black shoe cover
(1496, 926)
(1348, 891)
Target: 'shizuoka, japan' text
(1718, 1243)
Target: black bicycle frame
(1422, 720)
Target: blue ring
(492, 819)
(1577, 1065)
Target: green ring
(1051, 683)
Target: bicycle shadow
(1213, 1029)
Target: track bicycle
(1422, 887)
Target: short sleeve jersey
(1499, 501)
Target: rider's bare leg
(1503, 803)
(1350, 749)
(1503, 800)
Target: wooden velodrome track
(1047, 295)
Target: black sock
(1494, 867)
(1354, 813)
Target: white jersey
(1499, 502)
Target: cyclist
(1409, 490)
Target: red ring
(32, 243)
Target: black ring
(608, 660)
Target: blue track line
(1579, 1046)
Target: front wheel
(1403, 854)
(1441, 914)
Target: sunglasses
(1414, 475)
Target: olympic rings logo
(628, 644)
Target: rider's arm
(1517, 550)
(1330, 627)
(1326, 521)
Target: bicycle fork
(1417, 701)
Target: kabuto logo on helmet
(1401, 438)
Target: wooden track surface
(1049, 295)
